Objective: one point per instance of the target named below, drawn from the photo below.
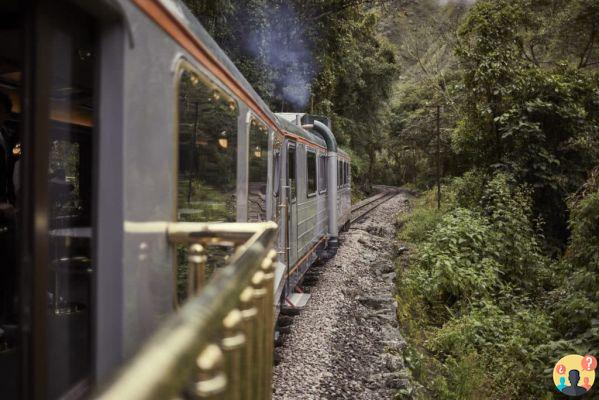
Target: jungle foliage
(502, 280)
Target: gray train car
(118, 117)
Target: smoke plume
(280, 42)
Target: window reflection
(206, 180)
(11, 68)
(69, 194)
(311, 172)
(207, 152)
(276, 183)
(291, 171)
(258, 171)
(322, 174)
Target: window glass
(70, 171)
(276, 180)
(276, 184)
(347, 172)
(339, 174)
(291, 171)
(66, 150)
(11, 71)
(322, 173)
(258, 173)
(311, 172)
(206, 181)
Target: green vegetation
(502, 280)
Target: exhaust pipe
(329, 138)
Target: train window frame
(203, 77)
(344, 173)
(252, 153)
(311, 152)
(345, 180)
(217, 90)
(292, 148)
(322, 173)
(339, 174)
(276, 168)
(347, 173)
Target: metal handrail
(220, 341)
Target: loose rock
(339, 346)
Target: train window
(339, 174)
(322, 173)
(276, 184)
(206, 182)
(11, 70)
(276, 180)
(258, 171)
(347, 173)
(311, 172)
(60, 172)
(291, 160)
(345, 181)
(70, 191)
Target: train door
(291, 185)
(47, 189)
(278, 213)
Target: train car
(118, 117)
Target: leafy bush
(468, 189)
(474, 289)
(576, 306)
(455, 263)
(500, 344)
(424, 219)
(516, 237)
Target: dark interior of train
(68, 141)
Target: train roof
(290, 127)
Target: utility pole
(438, 157)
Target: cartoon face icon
(574, 375)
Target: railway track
(361, 209)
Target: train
(118, 117)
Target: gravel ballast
(345, 343)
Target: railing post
(211, 378)
(259, 360)
(248, 314)
(269, 277)
(233, 341)
(196, 270)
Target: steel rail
(375, 200)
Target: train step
(296, 301)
